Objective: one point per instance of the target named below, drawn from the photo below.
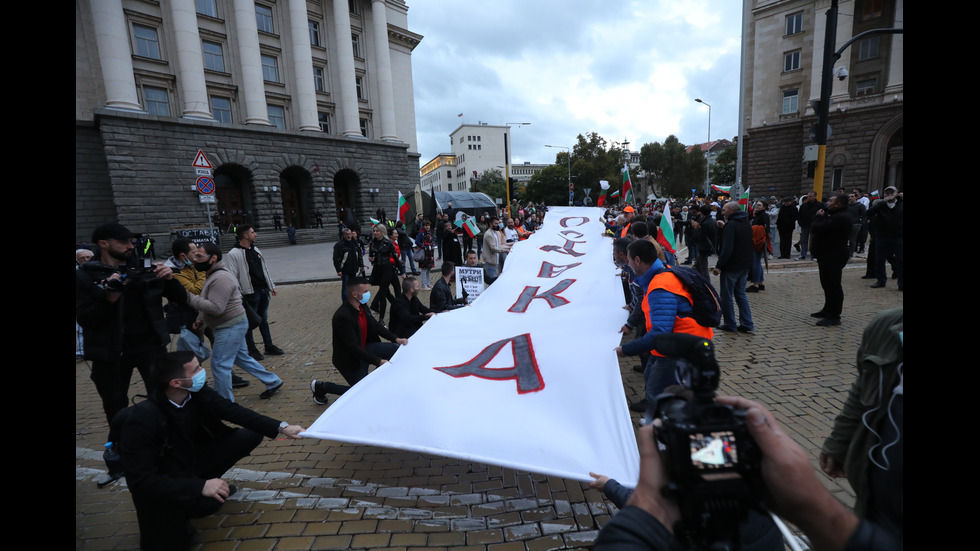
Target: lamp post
(507, 162)
(707, 153)
(570, 191)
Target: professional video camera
(711, 459)
(138, 267)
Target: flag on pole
(374, 221)
(666, 225)
(402, 208)
(604, 186)
(614, 194)
(627, 186)
(874, 195)
(743, 201)
(723, 189)
(522, 375)
(468, 226)
(459, 115)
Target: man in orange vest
(667, 308)
(628, 212)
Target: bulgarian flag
(666, 225)
(874, 195)
(723, 189)
(468, 226)
(374, 221)
(627, 186)
(743, 201)
(402, 208)
(604, 186)
(614, 194)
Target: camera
(712, 461)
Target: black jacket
(407, 316)
(134, 322)
(159, 442)
(441, 298)
(736, 244)
(830, 234)
(347, 349)
(347, 257)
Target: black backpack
(706, 301)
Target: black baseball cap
(112, 230)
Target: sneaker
(270, 392)
(820, 314)
(752, 289)
(828, 321)
(273, 350)
(256, 355)
(726, 328)
(319, 398)
(762, 287)
(745, 329)
(238, 382)
(877, 285)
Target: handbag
(419, 254)
(189, 340)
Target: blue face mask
(197, 381)
(366, 297)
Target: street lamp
(707, 153)
(569, 170)
(507, 162)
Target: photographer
(792, 491)
(119, 304)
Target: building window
(263, 18)
(837, 178)
(221, 108)
(791, 101)
(207, 7)
(277, 115)
(270, 68)
(354, 8)
(449, 174)
(157, 101)
(794, 23)
(450, 187)
(366, 127)
(356, 43)
(871, 9)
(866, 86)
(324, 119)
(319, 79)
(147, 42)
(214, 59)
(791, 61)
(315, 34)
(359, 86)
(868, 48)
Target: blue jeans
(411, 258)
(259, 300)
(757, 272)
(733, 291)
(804, 241)
(658, 375)
(230, 349)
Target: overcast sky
(624, 69)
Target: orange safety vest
(626, 229)
(669, 282)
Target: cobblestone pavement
(315, 494)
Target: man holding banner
(356, 342)
(668, 308)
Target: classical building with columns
(300, 106)
(784, 41)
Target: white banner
(470, 280)
(526, 377)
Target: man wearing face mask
(356, 341)
(176, 447)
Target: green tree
(549, 185)
(723, 169)
(492, 183)
(674, 169)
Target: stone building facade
(301, 107)
(784, 45)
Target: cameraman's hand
(648, 494)
(163, 271)
(794, 492)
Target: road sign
(202, 171)
(205, 185)
(201, 161)
(208, 199)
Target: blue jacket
(664, 308)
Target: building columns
(115, 55)
(305, 93)
(349, 116)
(190, 61)
(253, 85)
(383, 76)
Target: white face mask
(366, 297)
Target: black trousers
(164, 525)
(831, 272)
(112, 380)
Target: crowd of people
(127, 313)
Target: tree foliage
(593, 159)
(549, 185)
(723, 169)
(492, 183)
(672, 168)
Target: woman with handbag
(220, 306)
(385, 267)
